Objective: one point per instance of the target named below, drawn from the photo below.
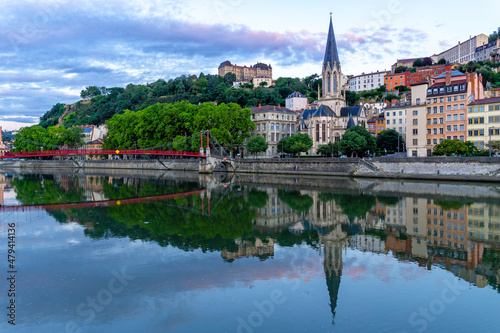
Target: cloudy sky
(51, 50)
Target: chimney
(468, 77)
(274, 107)
(279, 105)
(448, 78)
(260, 106)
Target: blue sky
(51, 50)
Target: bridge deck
(69, 152)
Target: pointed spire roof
(331, 53)
(350, 123)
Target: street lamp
(489, 142)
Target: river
(182, 252)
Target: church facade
(332, 118)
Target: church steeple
(331, 53)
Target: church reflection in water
(462, 238)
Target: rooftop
(486, 101)
(274, 108)
(453, 74)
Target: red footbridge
(71, 152)
(106, 203)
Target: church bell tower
(331, 75)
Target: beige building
(244, 73)
(273, 123)
(483, 118)
(416, 121)
(464, 52)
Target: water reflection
(252, 221)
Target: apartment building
(483, 122)
(465, 51)
(416, 121)
(368, 81)
(395, 118)
(446, 106)
(273, 123)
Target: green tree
(229, 78)
(382, 88)
(402, 88)
(418, 63)
(257, 144)
(452, 147)
(350, 97)
(400, 69)
(357, 141)
(352, 144)
(442, 61)
(329, 149)
(390, 140)
(91, 91)
(495, 146)
(295, 144)
(263, 84)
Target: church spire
(331, 53)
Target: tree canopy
(257, 144)
(51, 138)
(453, 147)
(295, 144)
(390, 140)
(357, 141)
(163, 125)
(329, 149)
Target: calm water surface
(179, 253)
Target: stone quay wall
(432, 168)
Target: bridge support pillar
(215, 164)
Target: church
(333, 117)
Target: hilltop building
(366, 82)
(463, 52)
(244, 73)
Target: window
(415, 142)
(264, 127)
(277, 127)
(272, 127)
(258, 127)
(448, 128)
(448, 107)
(462, 116)
(415, 131)
(470, 109)
(462, 127)
(429, 110)
(415, 113)
(448, 117)
(435, 109)
(415, 121)
(455, 117)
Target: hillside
(100, 104)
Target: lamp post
(489, 142)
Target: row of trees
(357, 141)
(459, 148)
(51, 138)
(177, 126)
